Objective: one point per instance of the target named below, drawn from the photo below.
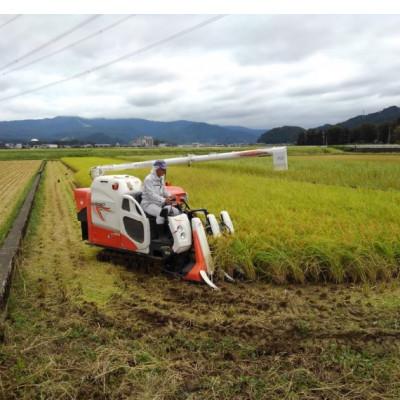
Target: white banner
(279, 158)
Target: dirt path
(80, 328)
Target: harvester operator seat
(154, 229)
(137, 196)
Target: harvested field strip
(289, 230)
(79, 328)
(15, 177)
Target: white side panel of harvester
(106, 198)
(179, 226)
(198, 229)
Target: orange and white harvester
(111, 217)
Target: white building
(143, 141)
(35, 143)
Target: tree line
(384, 133)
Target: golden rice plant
(311, 223)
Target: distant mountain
(284, 134)
(102, 130)
(99, 138)
(386, 115)
(289, 134)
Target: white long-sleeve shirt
(154, 191)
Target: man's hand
(169, 200)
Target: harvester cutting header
(114, 216)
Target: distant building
(35, 143)
(143, 141)
(102, 145)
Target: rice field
(15, 177)
(80, 328)
(329, 218)
(129, 152)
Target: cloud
(150, 99)
(257, 71)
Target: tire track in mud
(281, 321)
(275, 325)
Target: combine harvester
(111, 217)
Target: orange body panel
(178, 192)
(98, 235)
(82, 198)
(109, 238)
(200, 265)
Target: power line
(69, 46)
(56, 39)
(10, 20)
(116, 60)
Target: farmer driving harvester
(125, 216)
(156, 200)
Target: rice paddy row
(15, 177)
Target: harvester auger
(111, 217)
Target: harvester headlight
(181, 232)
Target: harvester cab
(112, 217)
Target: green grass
(332, 218)
(131, 152)
(312, 150)
(56, 154)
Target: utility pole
(324, 138)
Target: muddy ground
(88, 329)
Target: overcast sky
(254, 71)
